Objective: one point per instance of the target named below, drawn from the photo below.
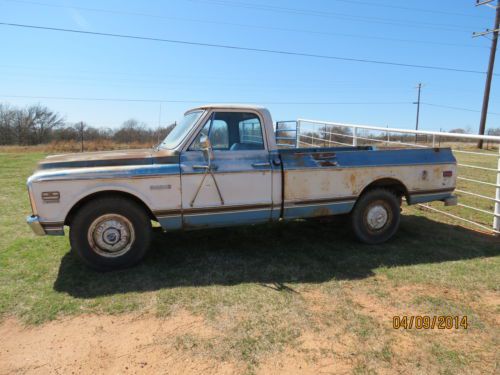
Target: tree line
(37, 124)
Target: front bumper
(34, 222)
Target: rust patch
(296, 186)
(328, 163)
(300, 159)
(323, 155)
(437, 172)
(322, 211)
(352, 180)
(325, 185)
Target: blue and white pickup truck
(220, 166)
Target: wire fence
(478, 180)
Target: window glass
(251, 132)
(232, 131)
(204, 132)
(219, 136)
(177, 135)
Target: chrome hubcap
(377, 217)
(111, 235)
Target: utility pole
(81, 134)
(159, 117)
(491, 64)
(419, 87)
(158, 129)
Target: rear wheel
(376, 216)
(110, 233)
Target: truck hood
(108, 159)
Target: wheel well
(105, 194)
(396, 186)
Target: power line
(196, 101)
(379, 5)
(240, 48)
(458, 108)
(251, 26)
(317, 13)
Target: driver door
(235, 187)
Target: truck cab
(238, 186)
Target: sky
(42, 67)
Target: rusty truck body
(220, 166)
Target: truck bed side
(327, 181)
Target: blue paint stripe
(318, 210)
(416, 198)
(171, 222)
(303, 160)
(149, 171)
(226, 219)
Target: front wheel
(376, 216)
(110, 233)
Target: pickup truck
(220, 166)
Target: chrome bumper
(34, 222)
(451, 200)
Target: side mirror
(206, 147)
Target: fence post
(355, 137)
(496, 218)
(324, 136)
(297, 135)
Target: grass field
(304, 292)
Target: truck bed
(327, 181)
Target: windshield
(175, 137)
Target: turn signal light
(447, 173)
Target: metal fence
(478, 180)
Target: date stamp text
(429, 322)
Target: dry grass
(74, 146)
(297, 297)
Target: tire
(376, 216)
(110, 233)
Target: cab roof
(229, 106)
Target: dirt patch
(122, 344)
(343, 330)
(368, 342)
(293, 362)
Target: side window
(196, 146)
(251, 133)
(219, 135)
(232, 131)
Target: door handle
(206, 167)
(200, 166)
(256, 165)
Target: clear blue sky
(53, 64)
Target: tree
(42, 121)
(131, 131)
(30, 125)
(7, 135)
